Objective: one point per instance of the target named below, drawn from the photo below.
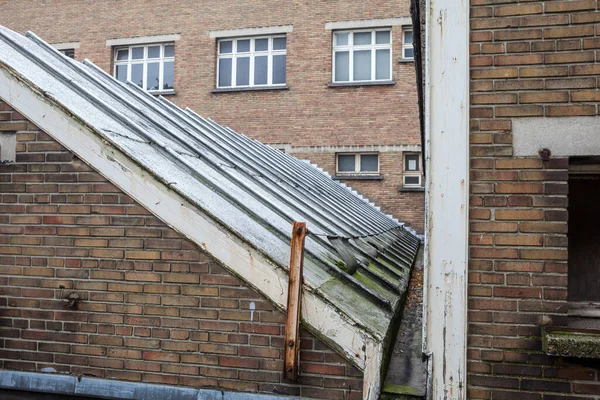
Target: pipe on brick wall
(109, 389)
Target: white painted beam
(447, 194)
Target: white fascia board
(447, 195)
(368, 23)
(143, 40)
(66, 45)
(265, 30)
(351, 340)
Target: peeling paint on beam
(447, 187)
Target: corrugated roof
(356, 257)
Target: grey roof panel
(357, 257)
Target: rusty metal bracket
(292, 324)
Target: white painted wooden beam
(447, 194)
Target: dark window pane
(68, 52)
(409, 53)
(412, 180)
(224, 72)
(279, 43)
(122, 54)
(225, 47)
(243, 45)
(261, 45)
(278, 69)
(168, 75)
(261, 65)
(382, 37)
(411, 162)
(369, 163)
(242, 75)
(362, 65)
(382, 64)
(408, 37)
(154, 52)
(121, 73)
(137, 74)
(342, 66)
(152, 76)
(346, 162)
(170, 50)
(137, 53)
(362, 38)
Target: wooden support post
(292, 324)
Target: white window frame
(252, 54)
(357, 170)
(350, 47)
(145, 60)
(406, 173)
(407, 45)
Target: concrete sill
(163, 93)
(354, 84)
(358, 177)
(406, 60)
(411, 189)
(250, 89)
(568, 342)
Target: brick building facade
(309, 116)
(534, 86)
(151, 306)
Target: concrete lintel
(368, 23)
(143, 40)
(66, 45)
(564, 136)
(265, 30)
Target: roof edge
(352, 340)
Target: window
(151, 67)
(407, 44)
(251, 62)
(362, 56)
(412, 169)
(359, 163)
(68, 52)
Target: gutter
(110, 389)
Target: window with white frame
(412, 170)
(151, 67)
(357, 163)
(251, 62)
(362, 55)
(407, 44)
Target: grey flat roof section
(246, 187)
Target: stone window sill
(250, 89)
(569, 342)
(163, 93)
(411, 189)
(353, 84)
(357, 177)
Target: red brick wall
(529, 58)
(407, 206)
(154, 308)
(308, 114)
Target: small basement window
(8, 147)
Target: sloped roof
(249, 189)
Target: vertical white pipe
(447, 197)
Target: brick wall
(308, 114)
(153, 307)
(407, 206)
(528, 58)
